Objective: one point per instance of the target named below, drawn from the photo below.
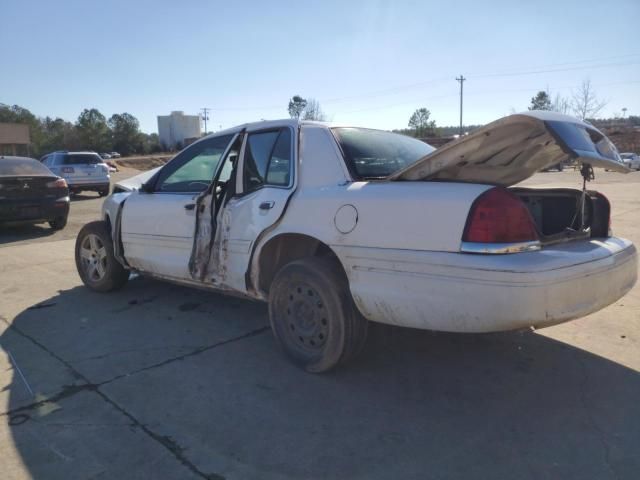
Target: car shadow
(78, 197)
(15, 232)
(157, 377)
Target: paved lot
(159, 381)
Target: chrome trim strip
(500, 248)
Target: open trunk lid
(513, 148)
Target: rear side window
(79, 158)
(372, 154)
(22, 167)
(267, 159)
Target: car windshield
(22, 167)
(81, 158)
(374, 154)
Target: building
(14, 139)
(176, 128)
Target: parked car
(105, 156)
(337, 226)
(631, 160)
(114, 154)
(30, 192)
(83, 171)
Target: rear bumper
(459, 292)
(83, 186)
(18, 211)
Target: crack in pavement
(69, 390)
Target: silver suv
(82, 170)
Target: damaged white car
(337, 226)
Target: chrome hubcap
(94, 257)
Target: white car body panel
(484, 293)
(398, 241)
(157, 232)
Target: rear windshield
(22, 167)
(374, 154)
(77, 158)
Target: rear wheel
(58, 223)
(103, 193)
(95, 261)
(312, 314)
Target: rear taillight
(59, 183)
(67, 170)
(499, 216)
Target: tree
(150, 143)
(584, 102)
(421, 124)
(561, 104)
(125, 133)
(541, 101)
(93, 130)
(312, 111)
(297, 104)
(58, 134)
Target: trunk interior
(557, 213)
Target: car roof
(13, 157)
(284, 122)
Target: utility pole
(461, 79)
(205, 117)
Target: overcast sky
(368, 63)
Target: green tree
(150, 143)
(297, 104)
(125, 133)
(58, 134)
(420, 123)
(93, 130)
(541, 101)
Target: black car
(29, 191)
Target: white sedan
(336, 226)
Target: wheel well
(107, 221)
(286, 248)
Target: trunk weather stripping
(500, 248)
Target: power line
(549, 68)
(474, 93)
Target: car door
(264, 183)
(158, 221)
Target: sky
(369, 63)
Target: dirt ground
(160, 381)
(144, 162)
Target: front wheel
(313, 316)
(95, 261)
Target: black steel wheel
(312, 314)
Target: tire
(103, 193)
(58, 223)
(95, 261)
(312, 314)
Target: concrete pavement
(160, 381)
